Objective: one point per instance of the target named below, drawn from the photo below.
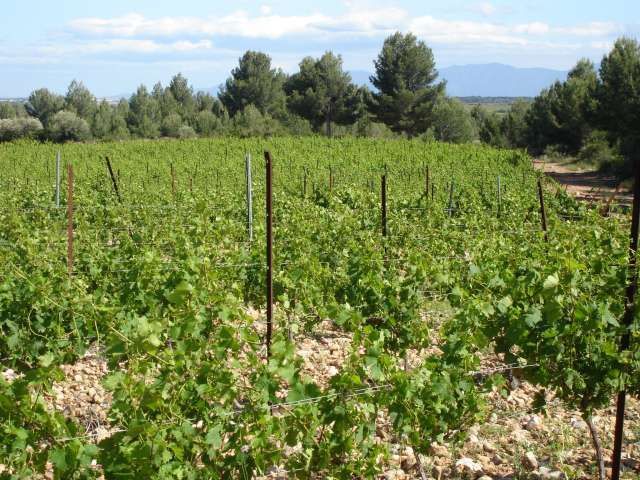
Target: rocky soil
(514, 443)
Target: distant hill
(488, 80)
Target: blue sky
(113, 46)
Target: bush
(251, 123)
(171, 125)
(67, 126)
(13, 128)
(185, 132)
(453, 123)
(208, 124)
(598, 152)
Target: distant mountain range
(487, 80)
(482, 80)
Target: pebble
(545, 473)
(488, 447)
(530, 461)
(534, 422)
(395, 474)
(467, 465)
(579, 424)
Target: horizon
(42, 45)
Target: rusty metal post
(330, 179)
(173, 181)
(629, 313)
(269, 229)
(58, 179)
(499, 198)
(543, 212)
(113, 179)
(304, 183)
(383, 199)
(426, 184)
(70, 218)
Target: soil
(587, 185)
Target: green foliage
(67, 126)
(452, 122)
(207, 124)
(80, 101)
(43, 105)
(251, 123)
(598, 152)
(405, 78)
(14, 128)
(489, 126)
(562, 114)
(618, 95)
(254, 83)
(171, 125)
(109, 123)
(323, 93)
(162, 282)
(144, 114)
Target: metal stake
(249, 196)
(70, 218)
(269, 219)
(629, 313)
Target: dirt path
(588, 185)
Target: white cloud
(486, 8)
(134, 36)
(355, 21)
(593, 29)
(533, 28)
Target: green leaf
(533, 317)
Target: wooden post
(58, 180)
(426, 183)
(383, 200)
(269, 231)
(629, 314)
(70, 219)
(173, 181)
(113, 179)
(543, 213)
(304, 183)
(330, 179)
(499, 198)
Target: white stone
(534, 423)
(530, 461)
(467, 465)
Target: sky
(113, 46)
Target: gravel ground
(514, 443)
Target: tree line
(593, 116)
(258, 99)
(593, 113)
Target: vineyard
(413, 284)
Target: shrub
(251, 123)
(13, 128)
(186, 131)
(171, 125)
(208, 124)
(66, 126)
(598, 151)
